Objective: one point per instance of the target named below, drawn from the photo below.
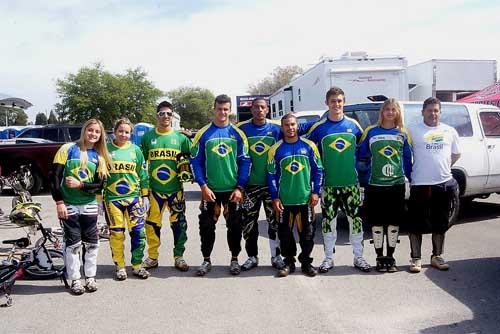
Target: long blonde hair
(100, 147)
(399, 119)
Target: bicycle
(38, 263)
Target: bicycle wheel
(54, 241)
(47, 267)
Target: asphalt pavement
(465, 299)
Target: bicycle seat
(21, 242)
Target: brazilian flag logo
(82, 174)
(164, 174)
(340, 145)
(121, 187)
(294, 167)
(388, 152)
(222, 150)
(259, 148)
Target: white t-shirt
(432, 149)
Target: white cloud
(226, 47)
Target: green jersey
(128, 175)
(160, 151)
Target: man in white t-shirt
(435, 150)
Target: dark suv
(55, 133)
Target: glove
(145, 204)
(100, 208)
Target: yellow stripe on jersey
(366, 132)
(272, 151)
(62, 154)
(312, 145)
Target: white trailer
(357, 73)
(450, 80)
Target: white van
(478, 169)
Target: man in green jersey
(161, 147)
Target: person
(221, 167)
(161, 147)
(436, 149)
(387, 147)
(295, 176)
(336, 137)
(124, 206)
(261, 134)
(77, 174)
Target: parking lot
(466, 299)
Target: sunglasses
(165, 113)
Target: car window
(51, 134)
(74, 133)
(31, 133)
(365, 116)
(305, 119)
(491, 123)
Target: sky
(226, 45)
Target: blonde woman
(77, 174)
(387, 147)
(125, 208)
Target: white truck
(357, 73)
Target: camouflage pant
(349, 200)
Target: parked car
(55, 132)
(478, 169)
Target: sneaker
(286, 270)
(181, 264)
(392, 268)
(277, 262)
(234, 267)
(439, 263)
(142, 273)
(150, 263)
(204, 268)
(77, 287)
(121, 274)
(309, 270)
(415, 265)
(90, 284)
(250, 263)
(361, 264)
(326, 265)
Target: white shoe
(361, 264)
(326, 265)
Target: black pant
(210, 212)
(303, 217)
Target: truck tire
(36, 181)
(454, 208)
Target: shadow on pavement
(476, 284)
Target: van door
(490, 122)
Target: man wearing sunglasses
(161, 147)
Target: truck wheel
(36, 181)
(454, 208)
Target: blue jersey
(389, 154)
(294, 171)
(220, 158)
(337, 142)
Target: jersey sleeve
(272, 172)
(144, 146)
(57, 172)
(243, 160)
(186, 145)
(407, 156)
(198, 159)
(455, 147)
(316, 169)
(142, 172)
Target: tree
(95, 93)
(278, 78)
(193, 104)
(13, 116)
(41, 119)
(52, 118)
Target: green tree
(193, 104)
(278, 78)
(12, 116)
(95, 93)
(41, 119)
(52, 118)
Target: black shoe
(309, 270)
(286, 270)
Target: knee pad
(392, 235)
(74, 249)
(90, 248)
(378, 236)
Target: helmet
(25, 214)
(184, 173)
